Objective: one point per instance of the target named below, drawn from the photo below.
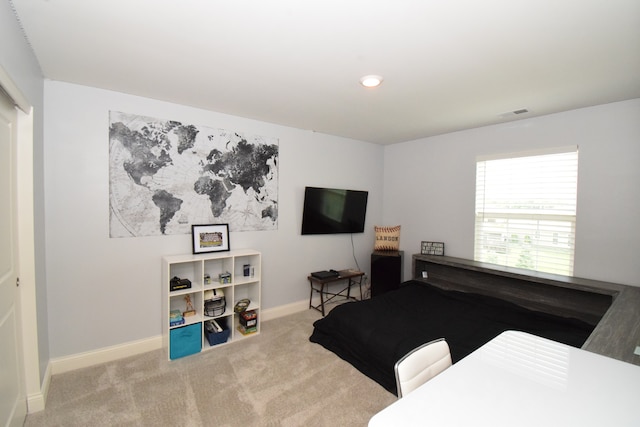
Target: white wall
(429, 185)
(104, 291)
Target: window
(526, 210)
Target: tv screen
(332, 211)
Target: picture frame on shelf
(432, 248)
(210, 238)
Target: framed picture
(210, 238)
(432, 248)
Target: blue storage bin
(185, 341)
(219, 338)
(212, 335)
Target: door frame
(35, 388)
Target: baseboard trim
(106, 354)
(284, 310)
(37, 401)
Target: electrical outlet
(637, 350)
(425, 275)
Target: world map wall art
(165, 176)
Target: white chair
(420, 365)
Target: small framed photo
(432, 248)
(210, 238)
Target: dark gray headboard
(559, 295)
(614, 309)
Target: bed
(373, 334)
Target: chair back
(420, 365)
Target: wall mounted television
(333, 211)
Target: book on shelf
(175, 318)
(176, 322)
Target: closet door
(13, 404)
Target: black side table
(386, 271)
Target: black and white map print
(165, 176)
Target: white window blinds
(526, 210)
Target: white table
(518, 379)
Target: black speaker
(386, 271)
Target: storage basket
(215, 337)
(185, 341)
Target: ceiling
(447, 64)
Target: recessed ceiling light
(371, 81)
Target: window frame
(544, 230)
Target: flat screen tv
(332, 211)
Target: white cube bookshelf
(191, 337)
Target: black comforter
(373, 334)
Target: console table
(322, 287)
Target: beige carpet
(277, 378)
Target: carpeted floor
(277, 378)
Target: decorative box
(178, 284)
(248, 322)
